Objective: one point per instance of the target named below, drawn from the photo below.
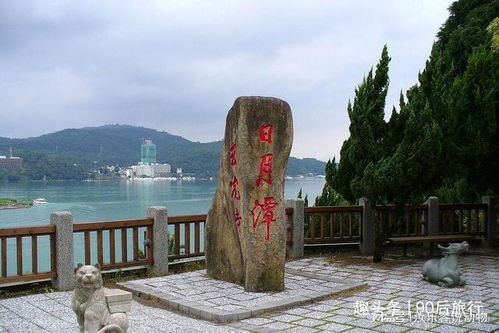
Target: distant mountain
(120, 145)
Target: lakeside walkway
(390, 290)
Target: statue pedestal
(118, 300)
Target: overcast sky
(177, 66)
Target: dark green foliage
(37, 165)
(444, 139)
(299, 196)
(120, 145)
(460, 83)
(367, 128)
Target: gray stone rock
(246, 226)
(444, 271)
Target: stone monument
(444, 271)
(245, 236)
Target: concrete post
(63, 222)
(368, 227)
(295, 250)
(433, 225)
(160, 238)
(492, 207)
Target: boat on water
(40, 201)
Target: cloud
(179, 65)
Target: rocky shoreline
(15, 207)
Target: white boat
(40, 201)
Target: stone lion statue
(89, 303)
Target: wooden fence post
(160, 238)
(491, 222)
(296, 248)
(64, 256)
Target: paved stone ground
(400, 286)
(52, 313)
(200, 296)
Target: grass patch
(8, 202)
(27, 289)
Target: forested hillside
(120, 145)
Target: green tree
(367, 129)
(329, 196)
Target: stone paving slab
(199, 296)
(51, 312)
(396, 286)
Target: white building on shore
(150, 170)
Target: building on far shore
(11, 163)
(148, 152)
(151, 170)
(148, 167)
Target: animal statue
(89, 303)
(444, 271)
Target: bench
(430, 239)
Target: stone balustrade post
(491, 222)
(433, 225)
(368, 227)
(297, 224)
(63, 222)
(160, 238)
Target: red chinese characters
(266, 133)
(232, 154)
(265, 174)
(233, 186)
(238, 220)
(263, 213)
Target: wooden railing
(322, 226)
(117, 254)
(463, 219)
(32, 235)
(413, 221)
(333, 224)
(188, 236)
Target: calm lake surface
(97, 201)
(111, 200)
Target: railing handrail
(186, 218)
(112, 224)
(445, 206)
(324, 209)
(38, 230)
(406, 207)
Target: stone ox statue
(444, 271)
(95, 309)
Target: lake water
(98, 201)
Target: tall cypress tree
(367, 130)
(460, 83)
